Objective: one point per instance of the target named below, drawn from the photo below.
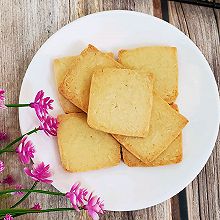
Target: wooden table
(26, 24)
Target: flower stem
(16, 140)
(25, 196)
(25, 211)
(17, 105)
(32, 191)
(9, 150)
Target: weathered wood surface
(26, 24)
(202, 26)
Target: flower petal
(40, 173)
(36, 206)
(2, 99)
(3, 136)
(2, 166)
(8, 217)
(25, 150)
(41, 105)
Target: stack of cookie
(120, 108)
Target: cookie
(61, 67)
(121, 101)
(159, 60)
(83, 148)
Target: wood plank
(205, 3)
(200, 24)
(157, 11)
(175, 208)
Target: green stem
(25, 211)
(32, 191)
(9, 150)
(25, 196)
(17, 105)
(16, 140)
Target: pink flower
(2, 98)
(3, 136)
(2, 166)
(41, 105)
(94, 207)
(8, 217)
(39, 172)
(49, 125)
(25, 150)
(8, 180)
(76, 195)
(18, 193)
(36, 206)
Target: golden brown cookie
(83, 148)
(121, 101)
(159, 60)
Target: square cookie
(83, 148)
(159, 60)
(121, 101)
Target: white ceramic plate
(121, 187)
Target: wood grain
(157, 8)
(202, 26)
(26, 24)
